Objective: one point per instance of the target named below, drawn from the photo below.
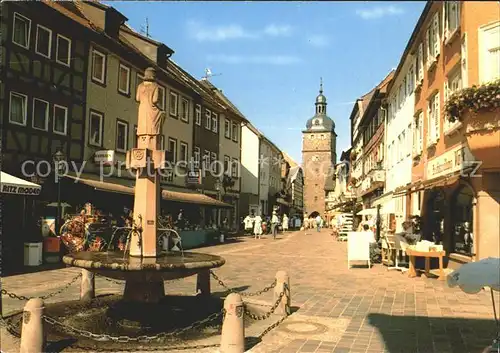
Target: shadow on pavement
(433, 334)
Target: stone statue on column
(150, 116)
(147, 160)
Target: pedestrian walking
(274, 224)
(285, 223)
(257, 229)
(318, 223)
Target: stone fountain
(144, 268)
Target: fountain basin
(144, 276)
(167, 266)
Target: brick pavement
(337, 309)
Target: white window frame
(162, 142)
(25, 97)
(215, 122)
(449, 32)
(419, 69)
(208, 119)
(433, 120)
(234, 167)
(16, 15)
(234, 136)
(120, 67)
(484, 74)
(38, 27)
(47, 109)
(185, 156)
(197, 114)
(161, 97)
(103, 67)
(173, 97)
(65, 120)
(227, 128)
(452, 84)
(118, 122)
(433, 41)
(185, 112)
(59, 36)
(206, 161)
(464, 61)
(101, 128)
(227, 166)
(213, 158)
(197, 156)
(173, 153)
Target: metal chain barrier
(243, 294)
(14, 331)
(47, 296)
(126, 339)
(270, 312)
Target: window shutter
(446, 19)
(427, 45)
(446, 90)
(437, 43)
(420, 132)
(420, 61)
(430, 133)
(437, 114)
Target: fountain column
(146, 160)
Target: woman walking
(285, 223)
(257, 229)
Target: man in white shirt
(318, 223)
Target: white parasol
(10, 184)
(474, 276)
(367, 212)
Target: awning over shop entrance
(10, 184)
(126, 186)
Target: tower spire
(321, 85)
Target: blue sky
(271, 54)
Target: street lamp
(58, 157)
(219, 196)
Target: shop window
(462, 218)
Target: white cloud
(318, 40)
(203, 33)
(258, 59)
(278, 30)
(379, 12)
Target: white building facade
(399, 139)
(250, 170)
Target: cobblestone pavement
(335, 309)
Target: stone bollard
(233, 328)
(284, 308)
(33, 332)
(87, 286)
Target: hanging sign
(105, 157)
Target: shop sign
(193, 177)
(105, 157)
(20, 190)
(449, 162)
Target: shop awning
(195, 198)
(442, 181)
(10, 184)
(126, 186)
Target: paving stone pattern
(336, 309)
